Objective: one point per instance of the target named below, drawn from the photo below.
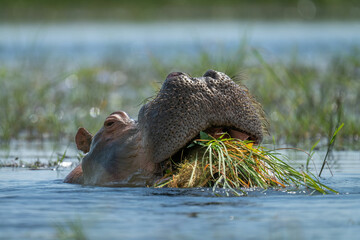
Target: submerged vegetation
(304, 102)
(234, 164)
(71, 229)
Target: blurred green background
(66, 64)
(176, 9)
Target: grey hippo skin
(128, 152)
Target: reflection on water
(34, 202)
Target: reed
(43, 99)
(234, 164)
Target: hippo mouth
(187, 105)
(227, 132)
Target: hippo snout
(174, 75)
(213, 74)
(187, 105)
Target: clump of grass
(234, 164)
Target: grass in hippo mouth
(234, 164)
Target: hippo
(130, 153)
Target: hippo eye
(108, 123)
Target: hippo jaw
(187, 105)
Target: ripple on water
(35, 202)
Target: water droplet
(94, 112)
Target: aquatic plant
(305, 103)
(234, 164)
(330, 146)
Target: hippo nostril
(174, 74)
(212, 73)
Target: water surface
(34, 203)
(92, 42)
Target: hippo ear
(83, 140)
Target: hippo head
(124, 150)
(114, 153)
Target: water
(92, 42)
(34, 203)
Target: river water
(36, 204)
(92, 42)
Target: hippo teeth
(217, 132)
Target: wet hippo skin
(126, 151)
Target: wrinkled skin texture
(129, 152)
